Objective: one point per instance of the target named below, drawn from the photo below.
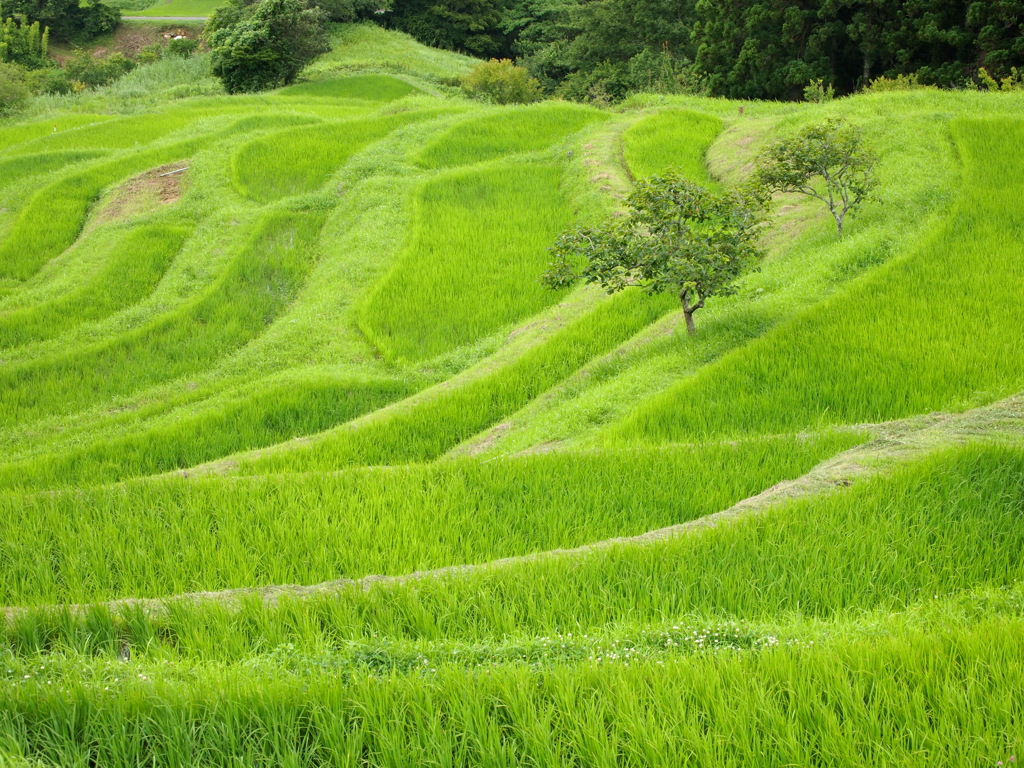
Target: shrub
(14, 92)
(182, 47)
(48, 80)
(818, 93)
(93, 72)
(899, 83)
(499, 81)
(150, 54)
(1012, 82)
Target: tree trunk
(690, 327)
(688, 313)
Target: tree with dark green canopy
(265, 44)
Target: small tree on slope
(677, 238)
(828, 162)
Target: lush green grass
(364, 87)
(24, 166)
(428, 426)
(948, 695)
(263, 279)
(890, 546)
(668, 140)
(134, 266)
(13, 135)
(301, 159)
(478, 246)
(937, 329)
(54, 216)
(366, 47)
(363, 277)
(947, 524)
(181, 8)
(509, 131)
(273, 415)
(156, 538)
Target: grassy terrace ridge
(301, 465)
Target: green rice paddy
(301, 465)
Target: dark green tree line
(585, 49)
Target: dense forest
(604, 49)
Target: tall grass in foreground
(478, 248)
(941, 328)
(944, 525)
(261, 281)
(509, 131)
(950, 699)
(271, 415)
(133, 268)
(671, 139)
(440, 419)
(176, 535)
(365, 87)
(301, 159)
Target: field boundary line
(895, 444)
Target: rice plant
(301, 159)
(133, 268)
(363, 87)
(262, 280)
(671, 139)
(177, 535)
(479, 243)
(936, 329)
(273, 414)
(508, 132)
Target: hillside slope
(302, 466)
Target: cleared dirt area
(155, 188)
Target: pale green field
(468, 521)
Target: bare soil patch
(148, 191)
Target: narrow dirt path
(896, 444)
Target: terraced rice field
(300, 464)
